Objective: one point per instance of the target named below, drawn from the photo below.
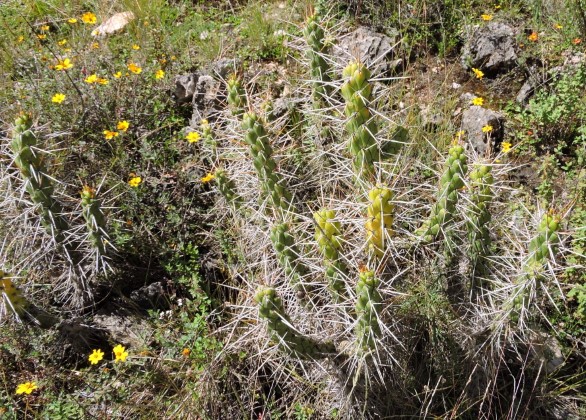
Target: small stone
(473, 120)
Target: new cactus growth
(38, 184)
(207, 134)
(289, 257)
(94, 218)
(357, 92)
(281, 329)
(13, 297)
(368, 303)
(380, 220)
(444, 209)
(227, 188)
(265, 165)
(479, 216)
(329, 239)
(314, 35)
(236, 95)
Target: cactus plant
(368, 305)
(227, 188)
(380, 220)
(236, 95)
(265, 165)
(328, 237)
(37, 183)
(314, 35)
(479, 218)
(289, 257)
(357, 92)
(444, 209)
(91, 210)
(281, 328)
(13, 297)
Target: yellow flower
(95, 45)
(117, 75)
(64, 64)
(136, 47)
(45, 28)
(486, 18)
(119, 351)
(72, 20)
(88, 192)
(159, 74)
(62, 42)
(123, 125)
(26, 388)
(533, 37)
(103, 81)
(108, 135)
(506, 147)
(186, 352)
(89, 18)
(134, 68)
(478, 101)
(135, 181)
(558, 26)
(58, 98)
(42, 36)
(192, 137)
(487, 129)
(479, 74)
(208, 178)
(92, 78)
(20, 39)
(96, 356)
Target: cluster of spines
(314, 35)
(227, 188)
(289, 257)
(368, 305)
(262, 155)
(279, 324)
(360, 125)
(236, 95)
(379, 220)
(328, 236)
(38, 185)
(91, 210)
(479, 217)
(451, 181)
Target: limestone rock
(476, 117)
(491, 48)
(114, 24)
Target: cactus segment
(91, 210)
(314, 35)
(444, 209)
(368, 304)
(262, 155)
(380, 220)
(236, 95)
(289, 257)
(361, 127)
(228, 188)
(479, 216)
(328, 236)
(37, 183)
(279, 324)
(12, 296)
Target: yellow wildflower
(42, 36)
(72, 20)
(64, 64)
(119, 351)
(96, 356)
(89, 18)
(208, 178)
(478, 101)
(20, 39)
(533, 37)
(45, 28)
(103, 81)
(62, 42)
(186, 352)
(117, 75)
(558, 26)
(487, 128)
(123, 125)
(134, 68)
(95, 45)
(58, 98)
(136, 47)
(159, 74)
(135, 181)
(26, 388)
(478, 73)
(92, 78)
(108, 135)
(486, 18)
(192, 137)
(506, 147)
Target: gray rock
(476, 117)
(374, 49)
(206, 98)
(490, 47)
(124, 328)
(153, 296)
(185, 88)
(223, 67)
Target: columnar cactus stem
(37, 183)
(357, 92)
(314, 35)
(368, 306)
(289, 257)
(444, 209)
(329, 239)
(479, 218)
(228, 188)
(236, 95)
(13, 297)
(279, 324)
(265, 165)
(94, 218)
(380, 220)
